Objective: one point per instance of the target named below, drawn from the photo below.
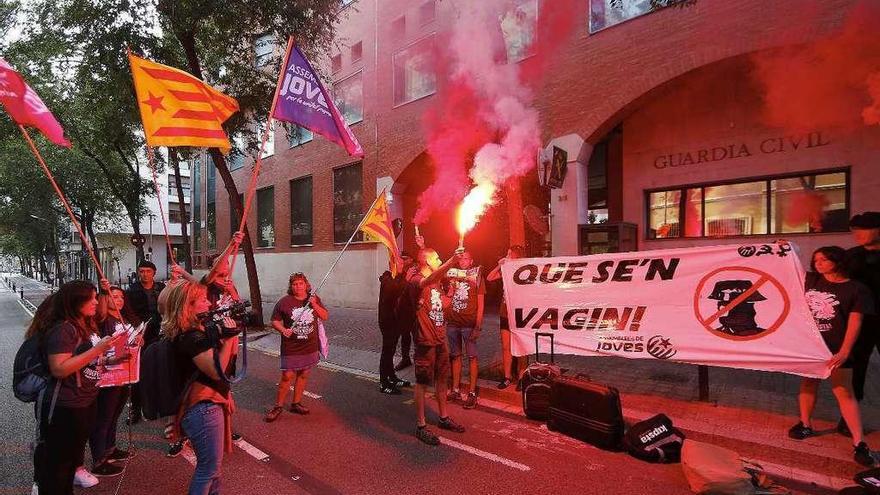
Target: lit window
(266, 217)
(606, 13)
(264, 48)
(269, 149)
(348, 94)
(519, 27)
(775, 205)
(297, 135)
(414, 76)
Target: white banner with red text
(732, 306)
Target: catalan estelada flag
(178, 109)
(377, 223)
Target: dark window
(348, 204)
(266, 217)
(235, 216)
(297, 135)
(357, 51)
(336, 62)
(197, 205)
(301, 211)
(398, 28)
(172, 186)
(174, 214)
(787, 204)
(211, 205)
(427, 12)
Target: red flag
(25, 107)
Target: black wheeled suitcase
(587, 411)
(535, 383)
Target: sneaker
(449, 424)
(800, 432)
(453, 396)
(400, 382)
(106, 469)
(175, 448)
(119, 455)
(389, 388)
(863, 455)
(843, 428)
(471, 401)
(273, 414)
(236, 437)
(299, 409)
(84, 479)
(403, 364)
(504, 383)
(427, 436)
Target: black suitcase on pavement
(587, 411)
(535, 382)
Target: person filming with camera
(206, 410)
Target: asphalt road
(355, 441)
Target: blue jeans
(203, 424)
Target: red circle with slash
(764, 278)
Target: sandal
(273, 414)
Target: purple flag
(302, 99)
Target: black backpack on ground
(535, 383)
(654, 440)
(161, 385)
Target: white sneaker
(35, 490)
(84, 479)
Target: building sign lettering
(781, 144)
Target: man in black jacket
(863, 263)
(391, 291)
(142, 297)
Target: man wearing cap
(863, 263)
(143, 298)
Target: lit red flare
(473, 207)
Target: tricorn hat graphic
(728, 290)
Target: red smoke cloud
(483, 114)
(833, 82)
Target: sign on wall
(738, 307)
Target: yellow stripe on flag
(378, 225)
(178, 109)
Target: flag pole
(64, 202)
(159, 200)
(356, 230)
(252, 186)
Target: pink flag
(25, 106)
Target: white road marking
(485, 455)
(252, 451)
(28, 310)
(311, 395)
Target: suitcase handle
(552, 352)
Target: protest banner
(731, 306)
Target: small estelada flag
(377, 223)
(178, 109)
(25, 106)
(302, 99)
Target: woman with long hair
(73, 347)
(114, 316)
(838, 305)
(514, 252)
(296, 318)
(206, 410)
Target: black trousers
(62, 448)
(405, 334)
(861, 354)
(102, 439)
(390, 336)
